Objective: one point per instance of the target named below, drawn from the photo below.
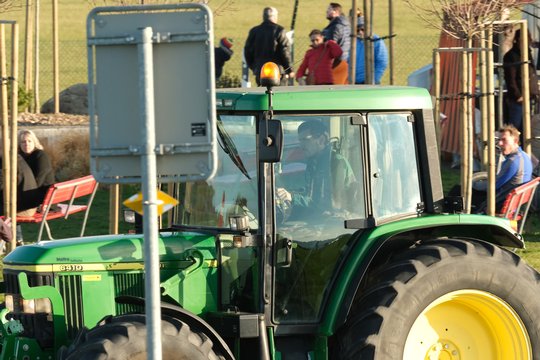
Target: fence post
(36, 67)
(14, 115)
(491, 126)
(464, 133)
(437, 95)
(56, 72)
(28, 47)
(114, 207)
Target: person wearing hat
(328, 179)
(222, 54)
(380, 55)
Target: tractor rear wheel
(446, 299)
(124, 337)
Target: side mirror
(270, 141)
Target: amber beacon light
(270, 75)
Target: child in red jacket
(317, 63)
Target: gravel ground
(31, 119)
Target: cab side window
(395, 184)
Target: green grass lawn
(97, 224)
(531, 231)
(414, 40)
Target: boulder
(73, 100)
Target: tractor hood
(111, 249)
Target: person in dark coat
(222, 54)
(339, 30)
(27, 189)
(514, 80)
(268, 42)
(31, 150)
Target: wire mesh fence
(73, 61)
(405, 60)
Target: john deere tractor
(383, 271)
(371, 263)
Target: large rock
(73, 100)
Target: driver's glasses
(305, 139)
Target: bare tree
(222, 8)
(225, 6)
(10, 5)
(467, 20)
(463, 19)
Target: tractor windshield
(233, 191)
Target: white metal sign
(184, 97)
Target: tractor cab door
(319, 184)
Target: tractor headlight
(35, 306)
(129, 216)
(10, 304)
(239, 222)
(15, 303)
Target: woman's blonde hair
(32, 136)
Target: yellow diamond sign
(165, 202)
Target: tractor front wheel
(124, 337)
(446, 299)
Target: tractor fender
(374, 246)
(192, 320)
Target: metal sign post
(149, 188)
(162, 56)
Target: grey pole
(149, 190)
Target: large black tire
(124, 337)
(446, 299)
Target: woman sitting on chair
(31, 150)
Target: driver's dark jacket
(328, 185)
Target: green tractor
(365, 259)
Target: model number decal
(71, 267)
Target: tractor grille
(34, 279)
(40, 326)
(37, 326)
(70, 288)
(131, 284)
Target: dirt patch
(60, 119)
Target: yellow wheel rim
(468, 325)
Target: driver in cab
(328, 176)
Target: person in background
(380, 55)
(27, 189)
(222, 54)
(31, 151)
(317, 63)
(514, 80)
(516, 169)
(268, 42)
(5, 234)
(339, 30)
(328, 176)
